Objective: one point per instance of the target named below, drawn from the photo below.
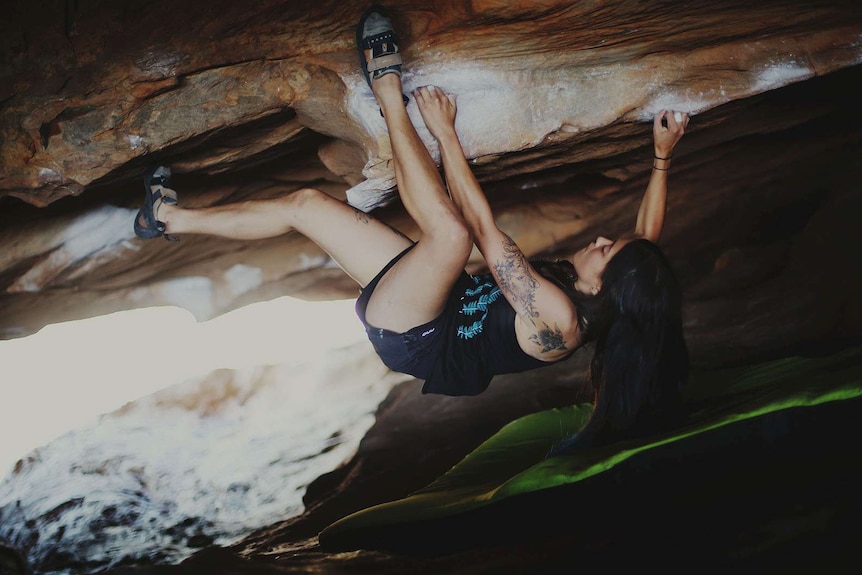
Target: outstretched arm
(652, 209)
(544, 311)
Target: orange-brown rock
(258, 99)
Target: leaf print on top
(476, 301)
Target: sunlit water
(202, 462)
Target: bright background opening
(68, 374)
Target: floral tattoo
(515, 277)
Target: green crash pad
(785, 408)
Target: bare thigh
(415, 290)
(361, 244)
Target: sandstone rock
(258, 99)
(554, 102)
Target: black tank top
(479, 340)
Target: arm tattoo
(549, 339)
(516, 280)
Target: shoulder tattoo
(515, 278)
(549, 339)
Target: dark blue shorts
(413, 352)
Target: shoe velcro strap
(166, 195)
(384, 62)
(371, 42)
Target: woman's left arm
(666, 134)
(544, 311)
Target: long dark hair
(640, 358)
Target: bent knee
(305, 195)
(310, 201)
(459, 235)
(453, 235)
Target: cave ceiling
(259, 99)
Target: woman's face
(591, 261)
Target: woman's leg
(415, 290)
(358, 242)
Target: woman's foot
(379, 56)
(387, 90)
(157, 190)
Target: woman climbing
(427, 317)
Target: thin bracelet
(660, 158)
(654, 167)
